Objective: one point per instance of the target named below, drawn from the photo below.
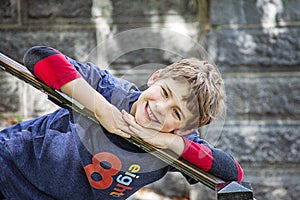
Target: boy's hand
(154, 137)
(113, 121)
(106, 113)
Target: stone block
(289, 192)
(256, 49)
(144, 45)
(56, 12)
(136, 53)
(34, 103)
(263, 97)
(152, 11)
(166, 187)
(201, 192)
(76, 43)
(258, 144)
(9, 93)
(8, 12)
(249, 12)
(274, 181)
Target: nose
(159, 107)
(162, 107)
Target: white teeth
(149, 113)
(152, 117)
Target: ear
(153, 78)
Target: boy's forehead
(180, 87)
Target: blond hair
(207, 89)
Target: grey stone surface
(179, 190)
(9, 93)
(260, 144)
(152, 11)
(253, 12)
(34, 103)
(27, 23)
(274, 181)
(8, 12)
(263, 97)
(200, 192)
(256, 49)
(77, 43)
(56, 12)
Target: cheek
(151, 92)
(170, 125)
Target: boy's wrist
(176, 144)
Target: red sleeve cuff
(197, 154)
(55, 71)
(240, 171)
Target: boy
(64, 155)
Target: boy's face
(161, 106)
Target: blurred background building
(254, 43)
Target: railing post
(234, 191)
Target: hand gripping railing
(224, 190)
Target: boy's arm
(54, 69)
(198, 152)
(212, 160)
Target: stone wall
(255, 44)
(66, 25)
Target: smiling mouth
(149, 114)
